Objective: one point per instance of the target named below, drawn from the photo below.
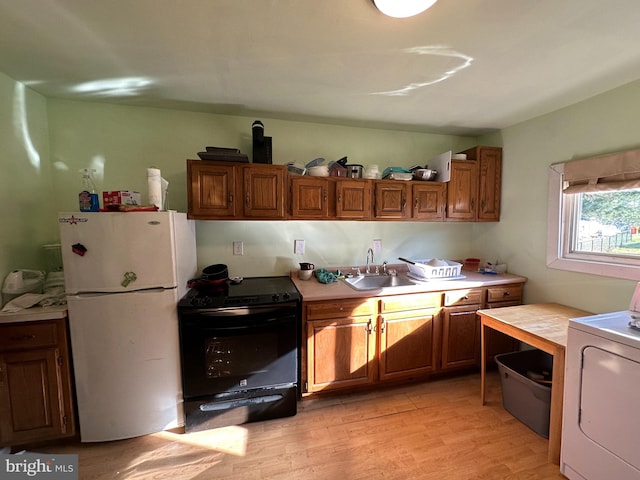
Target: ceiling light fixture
(403, 8)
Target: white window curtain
(614, 171)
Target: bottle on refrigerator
(88, 196)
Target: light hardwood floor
(433, 430)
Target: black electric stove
(239, 346)
(248, 292)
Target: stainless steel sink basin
(376, 282)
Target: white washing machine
(601, 413)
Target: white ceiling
(462, 67)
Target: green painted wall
(28, 210)
(602, 124)
(121, 142)
(44, 142)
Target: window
(594, 215)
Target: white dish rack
(422, 270)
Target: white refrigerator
(124, 274)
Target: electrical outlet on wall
(377, 247)
(238, 248)
(298, 247)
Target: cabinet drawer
(26, 335)
(463, 297)
(411, 302)
(340, 309)
(504, 293)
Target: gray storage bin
(523, 397)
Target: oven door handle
(251, 325)
(243, 325)
(242, 402)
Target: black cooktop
(250, 291)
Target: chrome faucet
(369, 252)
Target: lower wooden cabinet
(363, 342)
(461, 329)
(35, 387)
(340, 344)
(349, 344)
(407, 345)
(408, 332)
(340, 353)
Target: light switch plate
(298, 247)
(377, 247)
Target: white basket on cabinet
(422, 270)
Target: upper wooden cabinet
(428, 201)
(490, 178)
(474, 191)
(312, 198)
(225, 191)
(353, 199)
(211, 190)
(264, 191)
(390, 199)
(245, 191)
(462, 191)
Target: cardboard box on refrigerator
(120, 197)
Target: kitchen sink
(376, 282)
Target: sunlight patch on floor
(232, 440)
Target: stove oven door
(237, 349)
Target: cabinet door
(353, 199)
(460, 337)
(391, 199)
(462, 191)
(489, 182)
(407, 344)
(264, 191)
(428, 201)
(31, 403)
(340, 353)
(311, 198)
(211, 190)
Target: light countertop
(313, 290)
(34, 313)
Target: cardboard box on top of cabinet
(120, 197)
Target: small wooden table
(542, 326)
